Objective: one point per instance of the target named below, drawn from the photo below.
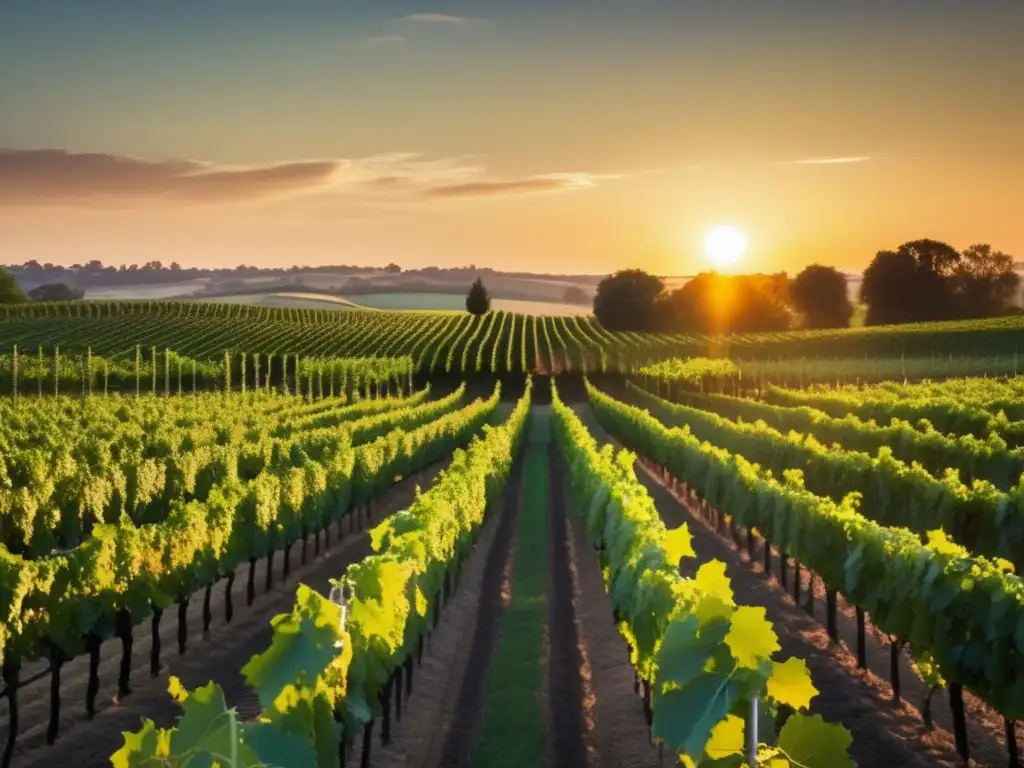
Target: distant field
(454, 301)
(293, 300)
(429, 302)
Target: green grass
(513, 733)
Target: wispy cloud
(59, 176)
(827, 160)
(33, 178)
(561, 182)
(444, 18)
(385, 41)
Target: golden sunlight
(725, 245)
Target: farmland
(528, 518)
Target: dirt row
(218, 657)
(885, 733)
(595, 717)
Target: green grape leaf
(711, 607)
(140, 747)
(725, 747)
(205, 723)
(809, 742)
(685, 651)
(302, 648)
(684, 718)
(678, 544)
(751, 637)
(790, 684)
(711, 580)
(275, 746)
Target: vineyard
(244, 536)
(500, 343)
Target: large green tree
(626, 300)
(819, 294)
(10, 293)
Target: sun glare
(725, 245)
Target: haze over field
(552, 137)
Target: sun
(725, 245)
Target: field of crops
(242, 554)
(507, 343)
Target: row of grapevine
(979, 516)
(949, 414)
(691, 644)
(992, 395)
(974, 458)
(198, 328)
(253, 503)
(958, 611)
(94, 465)
(165, 371)
(340, 677)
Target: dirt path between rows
(884, 736)
(596, 717)
(442, 713)
(565, 673)
(614, 729)
(219, 657)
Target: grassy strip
(513, 732)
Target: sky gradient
(564, 135)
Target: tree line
(920, 281)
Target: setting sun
(725, 245)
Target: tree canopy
(478, 302)
(819, 294)
(10, 293)
(985, 282)
(709, 303)
(926, 280)
(713, 303)
(55, 292)
(626, 300)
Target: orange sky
(565, 137)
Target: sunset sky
(545, 135)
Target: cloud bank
(33, 178)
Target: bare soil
(565, 659)
(440, 717)
(614, 728)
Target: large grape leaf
(725, 747)
(280, 748)
(302, 647)
(678, 544)
(810, 742)
(751, 637)
(685, 650)
(711, 580)
(684, 718)
(790, 683)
